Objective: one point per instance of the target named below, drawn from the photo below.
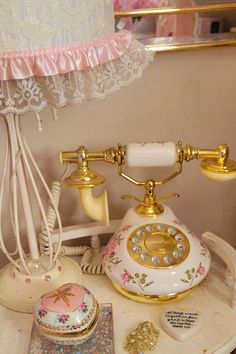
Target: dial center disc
(159, 242)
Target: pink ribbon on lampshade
(16, 65)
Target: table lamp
(58, 53)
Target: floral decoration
(83, 307)
(42, 312)
(28, 91)
(193, 273)
(177, 222)
(125, 228)
(204, 251)
(110, 258)
(180, 223)
(198, 237)
(140, 279)
(27, 280)
(63, 318)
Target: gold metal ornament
(63, 295)
(215, 165)
(142, 338)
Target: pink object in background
(135, 4)
(209, 25)
(163, 25)
(145, 24)
(176, 25)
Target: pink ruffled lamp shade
(58, 53)
(59, 67)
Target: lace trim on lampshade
(35, 93)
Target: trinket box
(101, 338)
(67, 315)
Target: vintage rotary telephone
(152, 257)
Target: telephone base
(153, 299)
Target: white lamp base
(19, 291)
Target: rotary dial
(158, 245)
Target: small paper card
(101, 341)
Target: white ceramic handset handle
(151, 154)
(95, 207)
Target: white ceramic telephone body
(155, 259)
(152, 257)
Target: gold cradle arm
(217, 159)
(215, 165)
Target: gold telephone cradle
(215, 165)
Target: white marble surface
(212, 299)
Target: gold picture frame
(159, 45)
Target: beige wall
(189, 96)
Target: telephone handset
(152, 257)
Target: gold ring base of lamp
(213, 170)
(19, 292)
(152, 299)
